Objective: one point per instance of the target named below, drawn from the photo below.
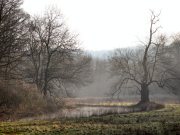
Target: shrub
(19, 100)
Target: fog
(102, 83)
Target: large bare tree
(55, 62)
(137, 69)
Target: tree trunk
(45, 90)
(46, 74)
(144, 93)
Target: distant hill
(101, 54)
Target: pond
(84, 111)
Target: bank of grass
(163, 121)
(106, 104)
(98, 101)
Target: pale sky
(110, 24)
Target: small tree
(149, 64)
(54, 60)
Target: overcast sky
(109, 24)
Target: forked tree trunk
(144, 93)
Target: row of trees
(43, 51)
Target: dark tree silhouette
(13, 32)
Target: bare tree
(13, 32)
(55, 61)
(149, 64)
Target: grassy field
(164, 121)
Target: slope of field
(164, 121)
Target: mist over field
(102, 82)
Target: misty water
(81, 112)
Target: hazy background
(104, 25)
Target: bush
(8, 100)
(19, 100)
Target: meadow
(163, 121)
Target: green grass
(164, 121)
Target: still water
(81, 112)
